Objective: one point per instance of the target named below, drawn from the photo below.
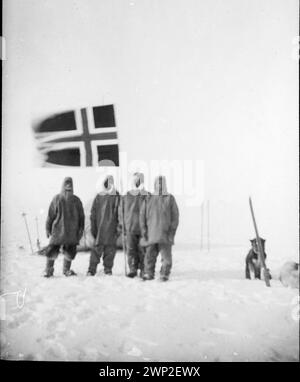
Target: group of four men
(148, 223)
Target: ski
(260, 249)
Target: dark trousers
(52, 252)
(68, 250)
(107, 252)
(135, 253)
(152, 252)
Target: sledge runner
(159, 221)
(129, 215)
(64, 226)
(104, 227)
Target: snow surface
(207, 311)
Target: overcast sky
(209, 80)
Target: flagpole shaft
(201, 228)
(208, 228)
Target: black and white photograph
(149, 188)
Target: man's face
(136, 181)
(68, 186)
(108, 183)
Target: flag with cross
(82, 138)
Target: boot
(164, 278)
(49, 268)
(67, 271)
(131, 274)
(147, 277)
(92, 270)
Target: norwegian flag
(82, 138)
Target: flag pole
(208, 228)
(201, 227)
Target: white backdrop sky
(190, 79)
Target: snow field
(207, 311)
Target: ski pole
(123, 235)
(123, 226)
(260, 248)
(25, 220)
(37, 233)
